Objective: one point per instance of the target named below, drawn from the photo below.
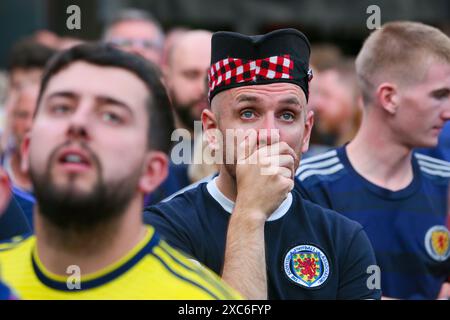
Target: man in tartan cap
(247, 223)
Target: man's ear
(211, 129)
(156, 170)
(309, 123)
(387, 96)
(25, 151)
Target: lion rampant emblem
(306, 265)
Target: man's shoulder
(433, 169)
(186, 198)
(185, 206)
(192, 190)
(322, 168)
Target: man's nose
(79, 124)
(269, 131)
(77, 132)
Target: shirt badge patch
(437, 243)
(307, 266)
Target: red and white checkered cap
(239, 60)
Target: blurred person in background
(171, 38)
(336, 102)
(5, 190)
(136, 31)
(185, 77)
(3, 90)
(52, 40)
(47, 38)
(26, 64)
(323, 56)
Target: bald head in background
(136, 31)
(186, 75)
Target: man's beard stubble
(69, 210)
(185, 112)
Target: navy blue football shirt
(311, 252)
(407, 228)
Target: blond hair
(399, 52)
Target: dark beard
(82, 213)
(184, 113)
(321, 137)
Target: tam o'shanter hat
(239, 60)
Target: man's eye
(111, 117)
(247, 114)
(287, 116)
(192, 75)
(441, 94)
(60, 109)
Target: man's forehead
(435, 76)
(86, 78)
(438, 71)
(134, 29)
(276, 91)
(193, 48)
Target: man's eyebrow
(443, 90)
(250, 98)
(246, 98)
(113, 101)
(63, 94)
(290, 100)
(101, 99)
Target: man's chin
(324, 128)
(430, 143)
(74, 189)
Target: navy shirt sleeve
(13, 222)
(358, 278)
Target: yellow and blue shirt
(152, 270)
